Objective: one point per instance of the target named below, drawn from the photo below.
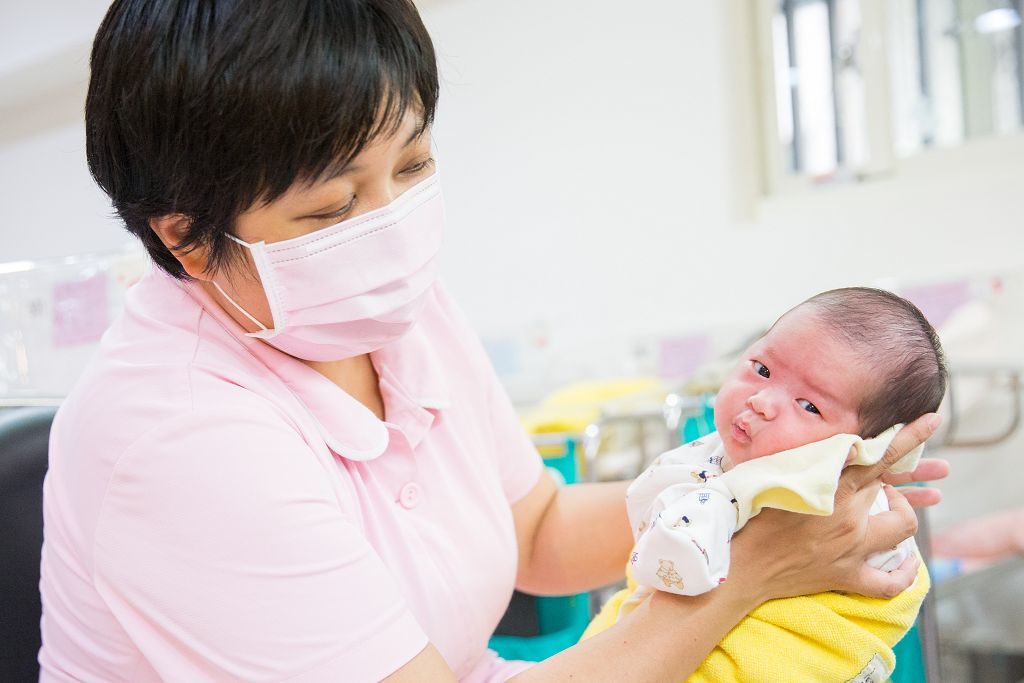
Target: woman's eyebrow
(417, 133)
(334, 172)
(337, 172)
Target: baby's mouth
(741, 431)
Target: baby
(838, 371)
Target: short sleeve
(223, 550)
(519, 463)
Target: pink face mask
(354, 287)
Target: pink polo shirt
(215, 510)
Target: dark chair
(24, 439)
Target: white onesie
(684, 508)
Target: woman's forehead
(390, 136)
(376, 157)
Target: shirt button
(409, 496)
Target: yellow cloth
(823, 637)
(804, 479)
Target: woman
(290, 459)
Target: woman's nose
(763, 403)
(381, 196)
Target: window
(859, 83)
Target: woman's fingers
(874, 583)
(888, 529)
(906, 440)
(921, 497)
(929, 469)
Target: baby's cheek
(782, 440)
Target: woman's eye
(761, 369)
(808, 406)
(339, 213)
(416, 168)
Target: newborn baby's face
(795, 385)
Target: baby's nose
(763, 403)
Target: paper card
(80, 311)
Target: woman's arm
(668, 636)
(571, 539)
(665, 638)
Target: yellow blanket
(823, 637)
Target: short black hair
(207, 107)
(897, 340)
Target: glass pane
(943, 71)
(813, 73)
(1006, 100)
(989, 53)
(783, 88)
(850, 84)
(911, 120)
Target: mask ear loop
(263, 328)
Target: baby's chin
(738, 452)
(735, 456)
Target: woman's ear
(171, 229)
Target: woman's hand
(782, 554)
(929, 469)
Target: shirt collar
(412, 362)
(348, 427)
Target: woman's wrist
(744, 594)
(698, 623)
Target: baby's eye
(808, 406)
(761, 369)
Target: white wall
(591, 153)
(50, 205)
(600, 167)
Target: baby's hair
(898, 341)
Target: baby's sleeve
(684, 547)
(225, 553)
(692, 463)
(683, 518)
